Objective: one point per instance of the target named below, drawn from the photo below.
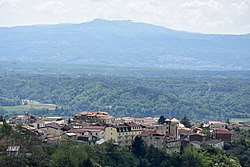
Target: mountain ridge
(124, 43)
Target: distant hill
(200, 98)
(123, 43)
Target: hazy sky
(207, 16)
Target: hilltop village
(96, 128)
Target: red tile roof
(170, 137)
(198, 134)
(94, 127)
(146, 133)
(221, 131)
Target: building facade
(122, 135)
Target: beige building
(122, 135)
(155, 138)
(94, 117)
(160, 140)
(169, 129)
(172, 145)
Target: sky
(204, 16)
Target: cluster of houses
(99, 127)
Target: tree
(138, 147)
(185, 121)
(69, 121)
(161, 120)
(2, 119)
(68, 155)
(155, 156)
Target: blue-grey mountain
(123, 43)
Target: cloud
(242, 7)
(209, 16)
(11, 3)
(55, 7)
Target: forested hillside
(123, 43)
(199, 98)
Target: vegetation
(161, 120)
(34, 153)
(240, 147)
(185, 121)
(199, 98)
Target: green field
(239, 119)
(23, 108)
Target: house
(184, 133)
(196, 129)
(197, 137)
(87, 139)
(119, 121)
(169, 128)
(77, 126)
(217, 124)
(50, 129)
(94, 117)
(84, 135)
(87, 134)
(22, 119)
(173, 126)
(1, 123)
(213, 142)
(146, 121)
(98, 133)
(222, 134)
(56, 120)
(155, 138)
(122, 135)
(78, 132)
(160, 140)
(39, 124)
(13, 150)
(53, 138)
(172, 144)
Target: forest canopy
(197, 97)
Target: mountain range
(123, 43)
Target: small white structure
(39, 124)
(13, 150)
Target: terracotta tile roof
(146, 133)
(120, 126)
(132, 124)
(53, 139)
(221, 131)
(94, 127)
(77, 131)
(55, 135)
(170, 137)
(198, 134)
(184, 129)
(216, 123)
(55, 126)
